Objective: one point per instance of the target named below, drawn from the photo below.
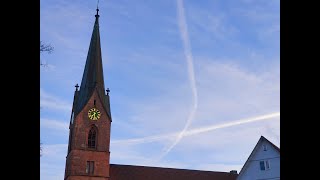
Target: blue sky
(174, 68)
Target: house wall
(252, 170)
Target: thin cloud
(53, 161)
(273, 133)
(54, 124)
(224, 88)
(51, 171)
(214, 25)
(51, 102)
(54, 150)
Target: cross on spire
(97, 15)
(108, 90)
(76, 87)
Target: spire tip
(97, 15)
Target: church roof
(93, 72)
(125, 172)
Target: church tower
(89, 130)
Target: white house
(263, 162)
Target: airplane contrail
(188, 54)
(234, 123)
(197, 130)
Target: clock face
(94, 114)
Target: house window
(90, 167)
(264, 147)
(267, 164)
(92, 138)
(264, 165)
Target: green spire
(92, 78)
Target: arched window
(92, 138)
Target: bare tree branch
(45, 48)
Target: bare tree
(45, 48)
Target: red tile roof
(128, 172)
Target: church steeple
(92, 78)
(88, 154)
